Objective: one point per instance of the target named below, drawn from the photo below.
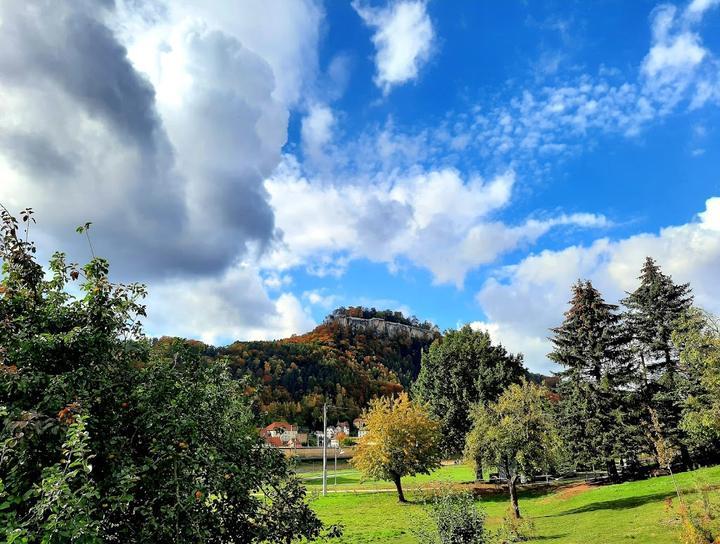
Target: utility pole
(324, 486)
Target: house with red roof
(281, 434)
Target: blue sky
(258, 163)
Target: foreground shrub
(102, 442)
(513, 529)
(699, 520)
(455, 520)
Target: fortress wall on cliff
(381, 326)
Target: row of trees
(638, 381)
(635, 382)
(458, 371)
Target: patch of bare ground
(569, 491)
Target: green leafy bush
(348, 441)
(513, 529)
(102, 442)
(455, 520)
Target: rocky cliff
(381, 326)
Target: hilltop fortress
(381, 326)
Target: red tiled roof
(274, 441)
(279, 425)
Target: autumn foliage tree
(295, 376)
(402, 439)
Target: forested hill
(344, 362)
(354, 355)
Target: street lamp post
(324, 485)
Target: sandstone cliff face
(380, 326)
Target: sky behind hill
(261, 162)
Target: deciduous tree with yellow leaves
(402, 439)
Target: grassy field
(631, 512)
(349, 479)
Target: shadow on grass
(615, 504)
(501, 494)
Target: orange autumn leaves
(68, 413)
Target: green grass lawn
(630, 512)
(350, 479)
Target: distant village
(280, 434)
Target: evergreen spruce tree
(591, 345)
(653, 311)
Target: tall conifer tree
(591, 345)
(653, 311)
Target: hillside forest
(293, 377)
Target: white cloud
(403, 38)
(697, 8)
(273, 280)
(317, 131)
(677, 61)
(317, 297)
(216, 310)
(535, 126)
(290, 318)
(287, 40)
(523, 301)
(337, 76)
(436, 220)
(533, 348)
(681, 54)
(158, 123)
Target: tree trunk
(478, 470)
(612, 470)
(513, 495)
(685, 455)
(398, 485)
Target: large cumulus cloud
(153, 121)
(158, 122)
